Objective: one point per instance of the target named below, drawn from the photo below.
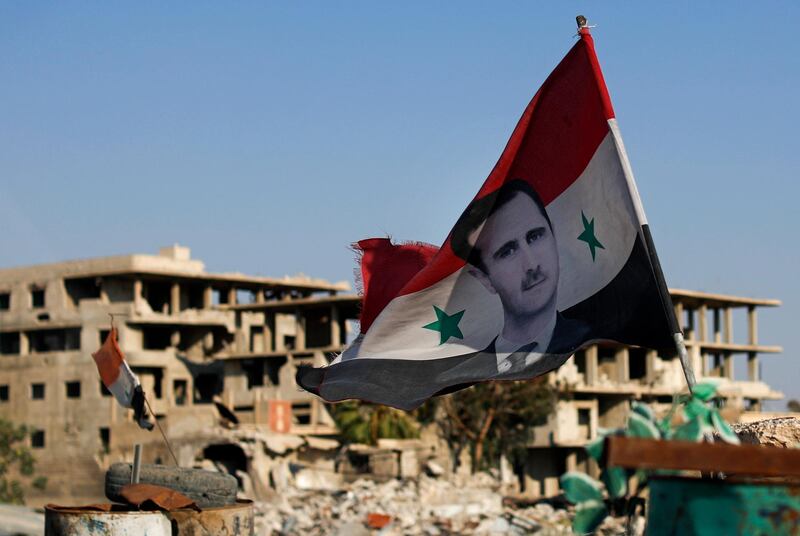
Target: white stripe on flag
(123, 387)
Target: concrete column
(697, 360)
(137, 293)
(572, 460)
(336, 333)
(727, 365)
(175, 299)
(175, 339)
(622, 358)
(300, 333)
(702, 314)
(103, 291)
(591, 365)
(259, 295)
(728, 325)
(752, 325)
(679, 314)
(752, 367)
(651, 358)
(231, 296)
(24, 343)
(208, 295)
(257, 405)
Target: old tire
(206, 488)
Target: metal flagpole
(663, 290)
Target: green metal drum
(693, 506)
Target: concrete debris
(782, 432)
(424, 506)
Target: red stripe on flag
(552, 144)
(109, 358)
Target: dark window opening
(318, 328)
(158, 296)
(637, 363)
(85, 288)
(179, 391)
(254, 369)
(273, 368)
(580, 362)
(9, 343)
(37, 391)
(607, 362)
(584, 416)
(192, 297)
(43, 317)
(74, 389)
(301, 412)
(3, 393)
(206, 386)
(54, 340)
(37, 297)
(104, 335)
(37, 439)
(104, 390)
(156, 337)
(256, 338)
(5, 301)
(105, 439)
(289, 342)
(157, 375)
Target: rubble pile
(781, 432)
(423, 506)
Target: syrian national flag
(118, 378)
(552, 254)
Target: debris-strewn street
(426, 505)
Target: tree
(494, 418)
(793, 405)
(362, 422)
(15, 456)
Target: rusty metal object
(232, 520)
(67, 521)
(634, 453)
(150, 497)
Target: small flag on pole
(553, 254)
(118, 378)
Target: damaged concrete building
(216, 349)
(198, 341)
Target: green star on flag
(588, 235)
(446, 325)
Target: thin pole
(163, 435)
(669, 309)
(137, 463)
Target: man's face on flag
(520, 258)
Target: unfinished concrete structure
(195, 339)
(595, 387)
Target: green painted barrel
(693, 506)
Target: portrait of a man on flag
(507, 239)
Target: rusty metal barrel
(231, 520)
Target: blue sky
(267, 137)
